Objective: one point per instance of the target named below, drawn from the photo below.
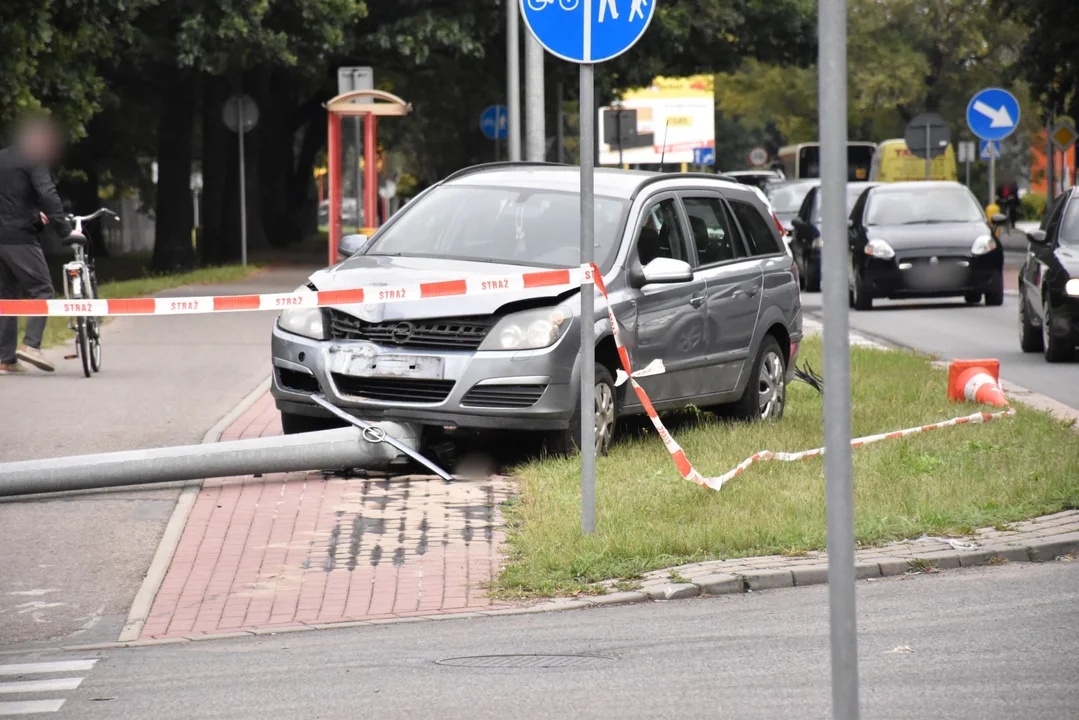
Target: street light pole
(838, 470)
(535, 107)
(513, 82)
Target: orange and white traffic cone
(976, 381)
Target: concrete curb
(797, 574)
(170, 539)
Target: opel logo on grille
(401, 333)
(933, 260)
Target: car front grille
(503, 396)
(461, 333)
(409, 390)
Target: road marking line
(28, 707)
(48, 667)
(29, 686)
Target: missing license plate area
(395, 366)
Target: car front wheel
(564, 442)
(862, 300)
(1030, 335)
(1057, 349)
(995, 297)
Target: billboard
(676, 114)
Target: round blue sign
(993, 114)
(494, 122)
(587, 31)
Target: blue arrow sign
(993, 114)
(494, 122)
(587, 31)
(989, 149)
(704, 156)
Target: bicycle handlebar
(96, 214)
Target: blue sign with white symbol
(704, 156)
(989, 149)
(494, 122)
(587, 31)
(993, 114)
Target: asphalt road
(984, 643)
(71, 566)
(950, 329)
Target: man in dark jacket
(28, 202)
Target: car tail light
(779, 225)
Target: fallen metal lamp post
(370, 447)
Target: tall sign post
(587, 32)
(838, 471)
(993, 114)
(241, 114)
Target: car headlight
(818, 243)
(529, 330)
(879, 249)
(983, 244)
(308, 322)
(1072, 287)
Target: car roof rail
(503, 164)
(662, 177)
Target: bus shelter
(368, 105)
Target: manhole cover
(525, 661)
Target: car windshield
(1069, 229)
(788, 198)
(853, 193)
(918, 206)
(518, 226)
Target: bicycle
(80, 283)
(567, 5)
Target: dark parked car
(695, 269)
(921, 240)
(1049, 283)
(806, 240)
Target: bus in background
(802, 161)
(893, 162)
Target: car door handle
(696, 300)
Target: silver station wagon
(696, 273)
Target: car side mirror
(850, 223)
(351, 244)
(998, 219)
(667, 270)
(1037, 237)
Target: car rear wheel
(1030, 335)
(293, 424)
(862, 300)
(995, 297)
(1057, 349)
(564, 442)
(812, 277)
(765, 395)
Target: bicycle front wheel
(82, 343)
(94, 325)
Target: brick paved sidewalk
(302, 548)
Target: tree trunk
(302, 202)
(174, 219)
(275, 161)
(214, 171)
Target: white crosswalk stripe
(28, 704)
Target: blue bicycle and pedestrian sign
(993, 114)
(494, 122)
(587, 31)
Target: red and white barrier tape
(377, 295)
(763, 455)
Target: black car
(1049, 283)
(923, 240)
(806, 241)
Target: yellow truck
(893, 162)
